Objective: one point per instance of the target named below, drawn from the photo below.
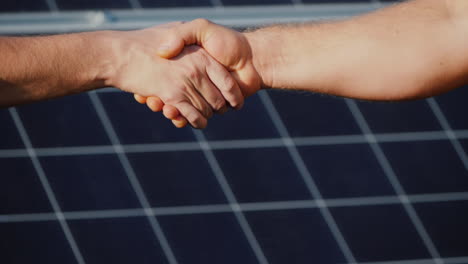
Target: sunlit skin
(411, 50)
(157, 105)
(193, 83)
(190, 71)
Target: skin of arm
(411, 50)
(38, 68)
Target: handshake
(190, 71)
(187, 70)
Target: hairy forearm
(37, 68)
(407, 51)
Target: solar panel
(23, 5)
(291, 178)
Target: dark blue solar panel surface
(207, 238)
(31, 242)
(23, 5)
(99, 181)
(333, 197)
(387, 230)
(247, 170)
(122, 240)
(295, 236)
(178, 3)
(177, 178)
(354, 172)
(92, 4)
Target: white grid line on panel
(297, 3)
(453, 260)
(46, 186)
(52, 4)
(245, 207)
(235, 144)
(101, 112)
(219, 174)
(377, 3)
(218, 4)
(448, 130)
(390, 173)
(306, 176)
(135, 4)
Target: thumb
(171, 47)
(183, 35)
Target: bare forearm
(412, 50)
(37, 68)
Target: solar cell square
(266, 174)
(10, 135)
(380, 233)
(136, 124)
(178, 3)
(295, 236)
(89, 182)
(306, 114)
(446, 223)
(33, 242)
(256, 2)
(207, 238)
(250, 122)
(23, 5)
(427, 166)
(69, 121)
(92, 4)
(119, 240)
(22, 191)
(346, 171)
(177, 178)
(399, 117)
(453, 105)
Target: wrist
(263, 56)
(103, 45)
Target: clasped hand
(187, 70)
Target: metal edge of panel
(244, 16)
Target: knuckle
(223, 110)
(192, 74)
(229, 83)
(193, 118)
(219, 104)
(207, 112)
(197, 121)
(202, 21)
(236, 103)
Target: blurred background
(291, 178)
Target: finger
(197, 100)
(210, 93)
(183, 35)
(195, 118)
(223, 110)
(170, 112)
(180, 123)
(154, 103)
(226, 84)
(140, 99)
